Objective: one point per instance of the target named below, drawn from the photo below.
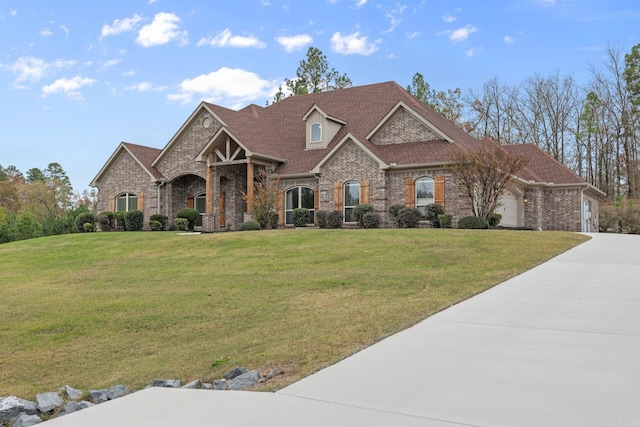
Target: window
(200, 203)
(316, 132)
(299, 197)
(351, 199)
(424, 195)
(126, 202)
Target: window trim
(127, 197)
(433, 195)
(311, 139)
(346, 207)
(312, 211)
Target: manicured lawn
(94, 310)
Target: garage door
(508, 210)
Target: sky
(78, 77)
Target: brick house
(372, 144)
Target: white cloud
(360, 3)
(394, 16)
(30, 69)
(13, 12)
(459, 35)
(68, 87)
(352, 44)
(111, 63)
(473, 51)
(162, 30)
(233, 87)
(291, 43)
(121, 26)
(145, 87)
(265, 2)
(448, 18)
(509, 39)
(413, 35)
(226, 39)
(46, 32)
(65, 30)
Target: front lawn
(94, 310)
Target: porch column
(250, 188)
(209, 186)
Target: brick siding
(403, 127)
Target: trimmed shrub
(495, 219)
(445, 220)
(273, 219)
(409, 217)
(300, 217)
(162, 219)
(322, 218)
(394, 213)
(83, 219)
(432, 211)
(118, 219)
(110, 216)
(359, 212)
(88, 227)
(473, 222)
(133, 220)
(249, 225)
(190, 215)
(334, 219)
(104, 223)
(371, 220)
(181, 224)
(156, 226)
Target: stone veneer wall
(127, 176)
(180, 188)
(232, 180)
(403, 127)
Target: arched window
(424, 195)
(316, 132)
(200, 203)
(126, 202)
(299, 197)
(351, 199)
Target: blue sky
(78, 77)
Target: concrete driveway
(556, 346)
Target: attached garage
(509, 210)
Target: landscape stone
(25, 420)
(235, 372)
(207, 386)
(117, 391)
(220, 385)
(99, 396)
(73, 393)
(193, 384)
(166, 383)
(72, 407)
(245, 381)
(47, 402)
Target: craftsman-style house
(372, 144)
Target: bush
(409, 217)
(54, 225)
(83, 219)
(104, 223)
(273, 220)
(156, 226)
(118, 219)
(495, 219)
(322, 219)
(359, 212)
(473, 222)
(26, 227)
(334, 219)
(394, 213)
(88, 227)
(133, 220)
(110, 216)
(181, 224)
(162, 219)
(432, 211)
(300, 217)
(445, 220)
(249, 225)
(190, 215)
(371, 220)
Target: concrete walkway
(556, 346)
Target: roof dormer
(320, 128)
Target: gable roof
(143, 155)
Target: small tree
(263, 202)
(483, 174)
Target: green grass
(94, 310)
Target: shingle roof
(145, 156)
(542, 167)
